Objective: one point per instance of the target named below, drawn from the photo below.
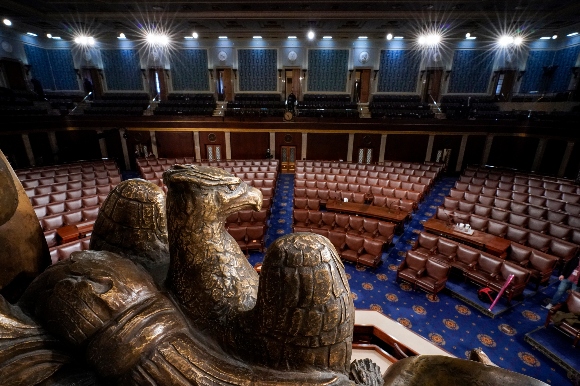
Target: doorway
(361, 88)
(13, 74)
(224, 87)
(93, 76)
(292, 83)
(287, 159)
(214, 152)
(365, 155)
(157, 84)
(504, 84)
(432, 85)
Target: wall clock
(363, 57)
(292, 55)
(7, 46)
(222, 56)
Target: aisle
(443, 319)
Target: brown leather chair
(300, 217)
(541, 266)
(355, 225)
(518, 283)
(300, 203)
(371, 228)
(519, 254)
(446, 250)
(559, 231)
(314, 218)
(426, 244)
(572, 305)
(496, 228)
(478, 223)
(245, 218)
(327, 221)
(341, 222)
(371, 256)
(485, 270)
(255, 237)
(337, 239)
(435, 276)
(412, 267)
(538, 224)
(482, 210)
(562, 249)
(354, 248)
(239, 234)
(516, 234)
(386, 232)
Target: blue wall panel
(327, 70)
(398, 71)
(63, 69)
(189, 70)
(38, 59)
(122, 69)
(470, 71)
(565, 59)
(537, 60)
(257, 70)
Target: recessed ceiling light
(311, 35)
(327, 37)
(85, 40)
(518, 40)
(222, 37)
(292, 37)
(363, 37)
(49, 36)
(545, 38)
(194, 35)
(389, 36)
(31, 34)
(188, 37)
(7, 22)
(56, 37)
(471, 38)
(572, 34)
(398, 37)
(256, 37)
(121, 36)
(554, 36)
(467, 35)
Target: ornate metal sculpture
(104, 316)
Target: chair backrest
(354, 242)
(255, 232)
(488, 264)
(542, 261)
(519, 253)
(466, 254)
(337, 239)
(573, 302)
(386, 229)
(446, 247)
(415, 261)
(436, 269)
(373, 247)
(427, 240)
(521, 275)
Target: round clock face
(7, 46)
(292, 55)
(288, 115)
(363, 57)
(222, 56)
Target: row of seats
(427, 165)
(421, 271)
(335, 167)
(502, 189)
(63, 251)
(151, 161)
(554, 183)
(555, 212)
(541, 265)
(249, 237)
(113, 175)
(272, 170)
(56, 197)
(68, 186)
(364, 177)
(63, 170)
(361, 184)
(247, 218)
(43, 210)
(357, 225)
(555, 246)
(417, 112)
(356, 249)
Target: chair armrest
(494, 275)
(420, 272)
(343, 246)
(432, 250)
(402, 265)
(472, 265)
(524, 263)
(452, 256)
(415, 246)
(360, 250)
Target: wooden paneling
(552, 156)
(249, 145)
(327, 146)
(452, 142)
(513, 152)
(473, 150)
(13, 148)
(77, 145)
(369, 141)
(204, 139)
(295, 139)
(175, 144)
(41, 149)
(406, 147)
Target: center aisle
(443, 319)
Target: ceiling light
(505, 40)
(363, 37)
(56, 37)
(188, 37)
(49, 36)
(545, 38)
(389, 36)
(194, 35)
(121, 36)
(327, 37)
(572, 34)
(398, 37)
(467, 35)
(292, 37)
(471, 38)
(85, 40)
(222, 37)
(31, 34)
(518, 40)
(157, 39)
(555, 37)
(257, 37)
(311, 35)
(430, 40)
(7, 22)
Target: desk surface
(379, 212)
(68, 233)
(493, 244)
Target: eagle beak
(254, 198)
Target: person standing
(291, 101)
(568, 279)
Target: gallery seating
(63, 251)
(434, 277)
(412, 267)
(572, 305)
(356, 249)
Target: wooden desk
(495, 245)
(379, 212)
(67, 233)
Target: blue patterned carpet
(445, 320)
